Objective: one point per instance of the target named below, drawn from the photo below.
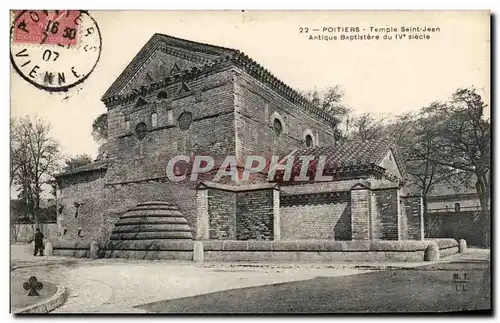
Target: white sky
(378, 76)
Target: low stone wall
(149, 249)
(261, 251)
(71, 248)
(446, 246)
(323, 250)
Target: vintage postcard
(250, 162)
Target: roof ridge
(235, 56)
(195, 42)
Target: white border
(200, 5)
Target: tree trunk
(482, 189)
(426, 217)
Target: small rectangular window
(170, 116)
(154, 120)
(127, 122)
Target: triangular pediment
(162, 56)
(175, 69)
(390, 163)
(140, 102)
(184, 88)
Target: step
(151, 220)
(151, 235)
(152, 228)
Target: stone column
(414, 206)
(49, 249)
(276, 214)
(202, 225)
(360, 212)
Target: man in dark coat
(38, 242)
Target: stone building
(179, 97)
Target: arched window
(457, 207)
(140, 130)
(185, 120)
(154, 120)
(309, 141)
(278, 127)
(127, 122)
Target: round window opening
(140, 130)
(162, 95)
(278, 127)
(185, 120)
(309, 141)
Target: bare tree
(35, 160)
(367, 126)
(331, 101)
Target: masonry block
(49, 249)
(360, 214)
(198, 253)
(94, 250)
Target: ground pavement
(139, 286)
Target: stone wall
(231, 250)
(330, 219)
(222, 214)
(460, 225)
(102, 205)
(255, 106)
(384, 209)
(404, 222)
(210, 102)
(413, 212)
(254, 215)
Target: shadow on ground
(439, 287)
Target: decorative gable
(162, 56)
(184, 88)
(140, 102)
(175, 69)
(390, 164)
(159, 66)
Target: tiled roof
(98, 165)
(350, 155)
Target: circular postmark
(54, 50)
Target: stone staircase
(151, 221)
(151, 230)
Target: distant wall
(24, 232)
(461, 225)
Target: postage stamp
(54, 50)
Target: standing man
(38, 242)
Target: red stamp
(52, 27)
